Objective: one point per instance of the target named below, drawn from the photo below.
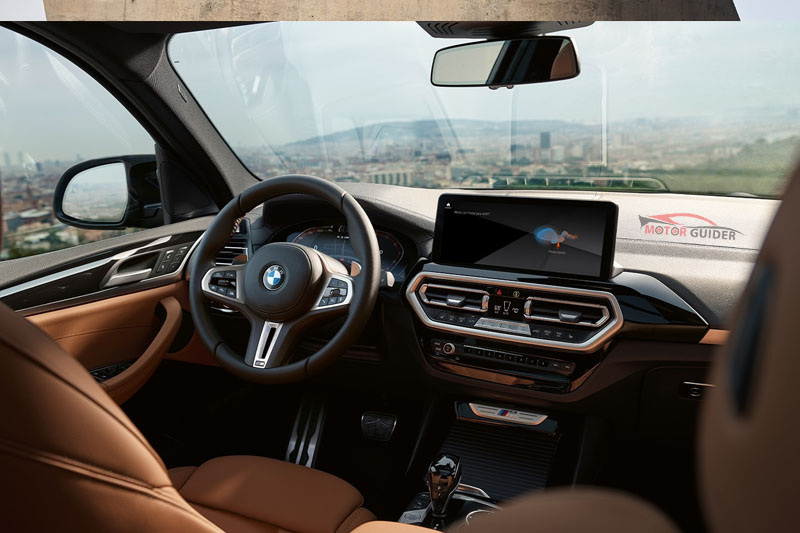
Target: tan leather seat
(244, 493)
(71, 460)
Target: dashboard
(465, 318)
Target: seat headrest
(749, 432)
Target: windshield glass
(707, 108)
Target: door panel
(107, 332)
(138, 327)
(94, 277)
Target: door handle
(130, 270)
(127, 277)
(124, 385)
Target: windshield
(706, 108)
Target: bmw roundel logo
(274, 276)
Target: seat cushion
(244, 493)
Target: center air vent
(455, 297)
(567, 311)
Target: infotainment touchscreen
(555, 237)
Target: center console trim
(603, 335)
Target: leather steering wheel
(284, 288)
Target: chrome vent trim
(606, 314)
(600, 336)
(482, 308)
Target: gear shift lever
(443, 477)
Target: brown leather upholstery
(70, 458)
(122, 386)
(270, 495)
(748, 456)
(118, 329)
(579, 510)
(389, 527)
(68, 453)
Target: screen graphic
(572, 238)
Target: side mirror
(110, 193)
(505, 63)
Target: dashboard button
(519, 359)
(449, 348)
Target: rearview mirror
(110, 193)
(505, 63)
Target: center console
(483, 322)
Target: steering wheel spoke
(269, 344)
(224, 284)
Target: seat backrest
(749, 448)
(69, 457)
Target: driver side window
(52, 117)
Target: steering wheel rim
(279, 314)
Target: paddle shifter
(443, 478)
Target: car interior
(283, 341)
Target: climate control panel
(560, 318)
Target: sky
(281, 83)
(768, 9)
(290, 81)
(22, 10)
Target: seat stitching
(95, 402)
(118, 482)
(23, 450)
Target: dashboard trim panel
(592, 344)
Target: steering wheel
(284, 287)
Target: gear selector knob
(443, 477)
